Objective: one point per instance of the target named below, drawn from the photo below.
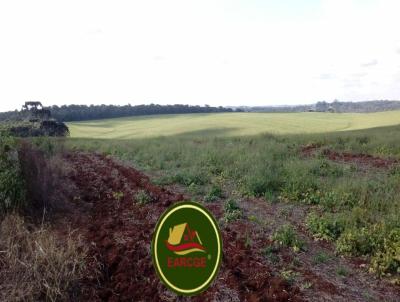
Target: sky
(216, 52)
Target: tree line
(366, 106)
(67, 113)
(335, 106)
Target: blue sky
(198, 52)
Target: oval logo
(187, 248)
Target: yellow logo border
(190, 205)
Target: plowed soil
(118, 232)
(359, 159)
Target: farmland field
(303, 180)
(230, 124)
(308, 204)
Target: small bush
(301, 190)
(357, 242)
(286, 236)
(195, 189)
(44, 178)
(387, 261)
(363, 140)
(268, 180)
(214, 194)
(332, 200)
(271, 252)
(270, 196)
(289, 276)
(187, 178)
(326, 227)
(321, 257)
(142, 197)
(118, 195)
(12, 185)
(164, 180)
(323, 168)
(232, 211)
(342, 271)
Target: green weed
(12, 185)
(232, 211)
(289, 276)
(214, 194)
(142, 197)
(321, 257)
(325, 227)
(286, 236)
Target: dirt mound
(360, 159)
(118, 231)
(309, 150)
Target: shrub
(118, 195)
(232, 211)
(289, 275)
(286, 236)
(360, 241)
(187, 178)
(142, 197)
(214, 193)
(332, 200)
(323, 168)
(321, 257)
(195, 189)
(387, 261)
(363, 140)
(44, 178)
(342, 271)
(272, 253)
(12, 186)
(270, 196)
(265, 179)
(300, 189)
(326, 227)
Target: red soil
(118, 233)
(359, 159)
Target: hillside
(230, 124)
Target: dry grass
(35, 265)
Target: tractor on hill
(38, 122)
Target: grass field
(354, 204)
(230, 124)
(313, 192)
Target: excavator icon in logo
(182, 240)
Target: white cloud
(370, 63)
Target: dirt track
(118, 233)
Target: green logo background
(187, 280)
